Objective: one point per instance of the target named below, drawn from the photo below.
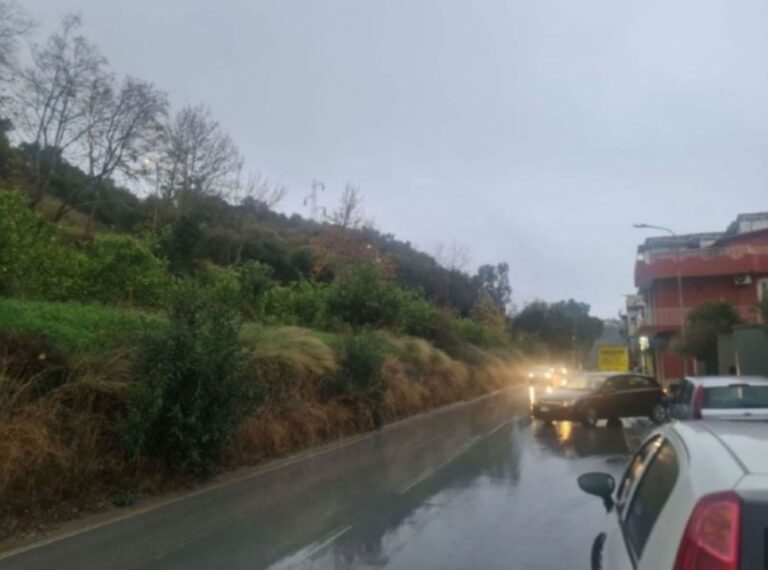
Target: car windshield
(736, 396)
(585, 382)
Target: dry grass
(59, 450)
(57, 446)
(290, 362)
(266, 434)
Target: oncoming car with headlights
(545, 380)
(589, 397)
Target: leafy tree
(563, 326)
(486, 313)
(703, 325)
(493, 280)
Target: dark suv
(589, 397)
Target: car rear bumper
(551, 413)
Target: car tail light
(698, 402)
(711, 539)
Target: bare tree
(51, 98)
(14, 24)
(349, 215)
(259, 190)
(198, 157)
(122, 124)
(454, 256)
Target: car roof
(746, 442)
(611, 374)
(719, 381)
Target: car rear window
(735, 397)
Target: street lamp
(679, 278)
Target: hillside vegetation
(160, 321)
(120, 377)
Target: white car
(721, 397)
(694, 497)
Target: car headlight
(549, 390)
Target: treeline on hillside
(79, 129)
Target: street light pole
(679, 280)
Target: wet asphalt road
(473, 486)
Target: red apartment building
(730, 266)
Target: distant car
(694, 497)
(541, 380)
(589, 397)
(726, 397)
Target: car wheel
(659, 414)
(589, 417)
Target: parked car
(726, 397)
(694, 497)
(589, 397)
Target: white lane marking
(306, 554)
(461, 450)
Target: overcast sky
(533, 131)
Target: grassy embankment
(67, 372)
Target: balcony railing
(732, 260)
(733, 251)
(672, 318)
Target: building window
(762, 289)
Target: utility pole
(679, 280)
(311, 199)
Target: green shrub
(33, 263)
(363, 297)
(121, 269)
(301, 304)
(255, 280)
(416, 315)
(481, 335)
(221, 285)
(191, 393)
(360, 375)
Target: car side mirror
(599, 484)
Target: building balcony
(671, 319)
(711, 261)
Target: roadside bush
(360, 376)
(191, 393)
(121, 269)
(362, 296)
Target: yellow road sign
(613, 358)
